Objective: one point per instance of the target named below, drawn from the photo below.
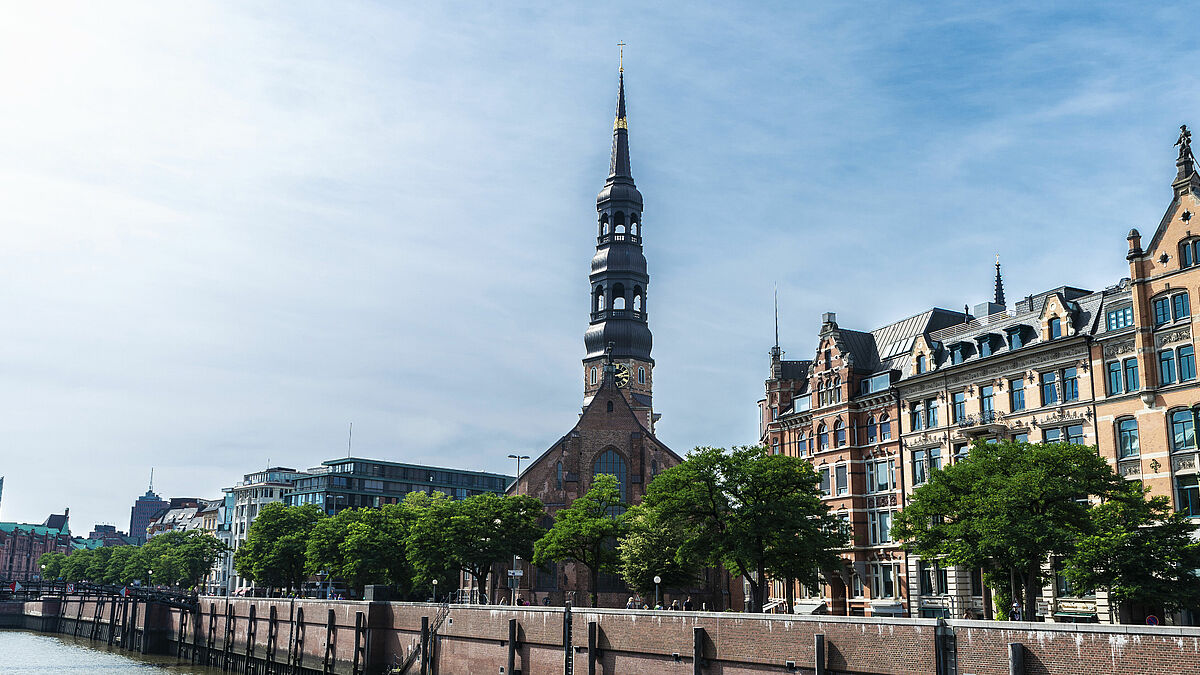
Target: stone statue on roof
(1185, 144)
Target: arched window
(641, 375)
(635, 225)
(822, 438)
(559, 473)
(1183, 430)
(619, 220)
(618, 296)
(604, 224)
(612, 463)
(775, 446)
(637, 298)
(921, 365)
(800, 445)
(653, 468)
(599, 298)
(871, 429)
(610, 406)
(1127, 438)
(885, 427)
(839, 434)
(837, 388)
(1189, 253)
(592, 375)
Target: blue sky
(233, 228)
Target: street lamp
(657, 581)
(518, 458)
(149, 576)
(435, 590)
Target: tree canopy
(586, 532)
(276, 544)
(752, 512)
(169, 559)
(1008, 508)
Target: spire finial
(999, 283)
(621, 62)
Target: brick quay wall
(348, 637)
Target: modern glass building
(353, 482)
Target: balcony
(619, 314)
(982, 424)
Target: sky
(231, 229)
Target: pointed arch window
(559, 474)
(839, 434)
(871, 429)
(641, 375)
(612, 463)
(592, 375)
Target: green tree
(75, 567)
(276, 543)
(752, 512)
(137, 566)
(1141, 551)
(98, 564)
(1008, 508)
(52, 562)
(362, 546)
(474, 534)
(182, 558)
(114, 572)
(586, 532)
(651, 548)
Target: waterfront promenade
(353, 637)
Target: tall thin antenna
(151, 479)
(777, 315)
(349, 440)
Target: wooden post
(1016, 659)
(568, 659)
(593, 635)
(424, 645)
(819, 651)
(512, 647)
(698, 650)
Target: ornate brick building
(22, 545)
(615, 432)
(1114, 368)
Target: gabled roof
(17, 528)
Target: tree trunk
(1031, 593)
(789, 595)
(594, 571)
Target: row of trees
(1022, 511)
(181, 559)
(753, 513)
(408, 545)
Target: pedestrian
(1015, 613)
(675, 605)
(687, 604)
(629, 603)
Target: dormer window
(987, 345)
(922, 365)
(1015, 340)
(1120, 318)
(958, 352)
(1055, 328)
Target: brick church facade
(615, 431)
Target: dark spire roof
(999, 283)
(619, 166)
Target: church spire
(999, 300)
(619, 166)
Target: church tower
(619, 328)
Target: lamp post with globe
(657, 581)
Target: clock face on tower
(622, 375)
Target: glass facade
(358, 483)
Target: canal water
(28, 652)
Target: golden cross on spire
(621, 46)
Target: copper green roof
(24, 527)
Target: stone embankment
(352, 638)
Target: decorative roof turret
(999, 284)
(1186, 178)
